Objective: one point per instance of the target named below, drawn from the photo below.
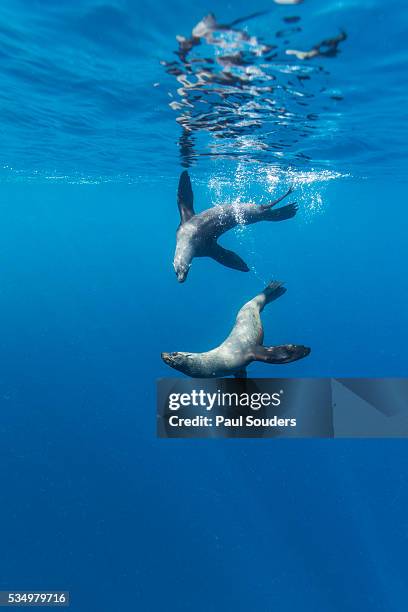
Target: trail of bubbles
(309, 187)
(259, 184)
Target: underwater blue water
(91, 501)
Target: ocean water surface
(102, 107)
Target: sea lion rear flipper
(185, 197)
(285, 353)
(281, 214)
(227, 258)
(282, 197)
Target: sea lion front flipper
(227, 258)
(285, 353)
(185, 198)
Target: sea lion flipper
(227, 258)
(281, 214)
(271, 292)
(185, 197)
(282, 197)
(285, 353)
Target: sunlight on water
(309, 188)
(239, 186)
(83, 105)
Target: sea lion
(243, 345)
(197, 234)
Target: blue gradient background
(91, 501)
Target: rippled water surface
(85, 90)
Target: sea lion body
(241, 347)
(197, 234)
(234, 354)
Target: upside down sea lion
(243, 345)
(197, 234)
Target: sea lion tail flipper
(227, 258)
(272, 291)
(285, 195)
(285, 353)
(185, 197)
(281, 214)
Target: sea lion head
(178, 361)
(185, 251)
(181, 270)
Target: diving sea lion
(197, 234)
(243, 345)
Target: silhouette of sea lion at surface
(238, 83)
(325, 48)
